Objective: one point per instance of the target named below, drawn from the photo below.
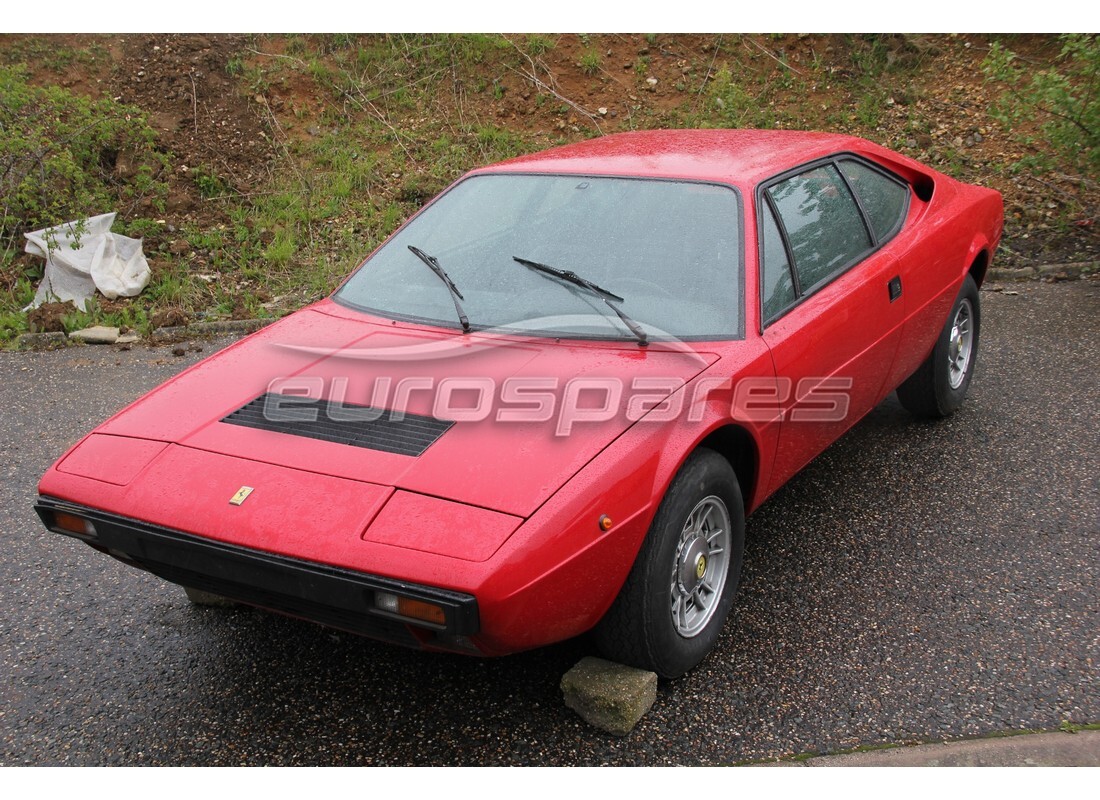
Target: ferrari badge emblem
(241, 495)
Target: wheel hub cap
(960, 346)
(693, 564)
(699, 572)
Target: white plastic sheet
(113, 264)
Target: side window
(824, 225)
(884, 200)
(776, 286)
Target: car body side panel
(833, 354)
(937, 258)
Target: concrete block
(609, 696)
(42, 341)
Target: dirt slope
(236, 111)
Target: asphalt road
(916, 582)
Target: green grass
(47, 54)
(537, 45)
(590, 62)
(1064, 98)
(13, 298)
(1072, 727)
(869, 107)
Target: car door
(832, 302)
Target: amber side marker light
(409, 608)
(71, 523)
(605, 523)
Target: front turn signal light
(411, 609)
(71, 523)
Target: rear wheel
(671, 609)
(938, 387)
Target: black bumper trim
(340, 598)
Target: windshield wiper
(433, 265)
(571, 277)
(568, 275)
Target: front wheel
(671, 609)
(939, 385)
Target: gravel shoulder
(1081, 749)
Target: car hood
(526, 413)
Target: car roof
(731, 156)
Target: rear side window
(884, 200)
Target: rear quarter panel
(942, 240)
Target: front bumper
(332, 596)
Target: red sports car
(545, 404)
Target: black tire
(671, 575)
(939, 385)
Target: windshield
(670, 249)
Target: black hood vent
(343, 423)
